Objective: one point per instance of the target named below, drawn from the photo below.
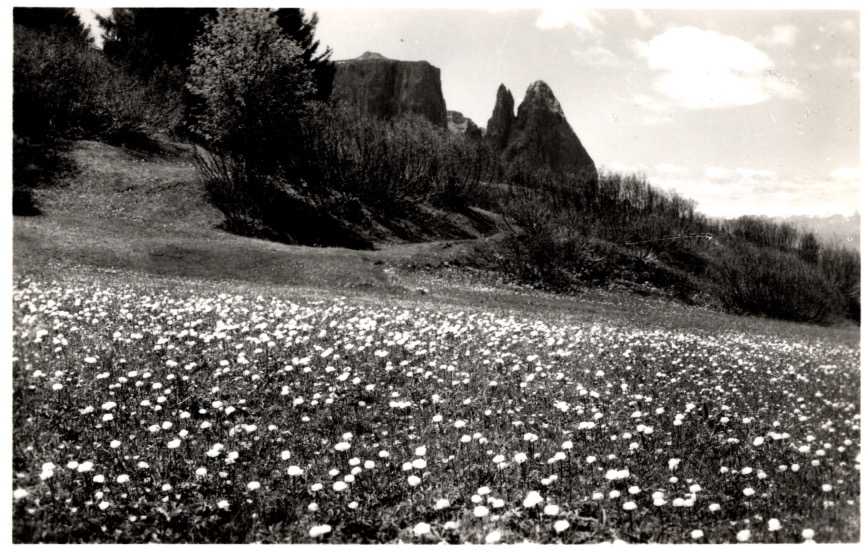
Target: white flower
(551, 510)
(758, 441)
(201, 472)
(285, 455)
(561, 525)
(223, 504)
(174, 444)
(253, 485)
(533, 498)
(807, 534)
(422, 528)
(714, 507)
(342, 446)
(19, 493)
(441, 504)
(99, 478)
(748, 492)
(420, 452)
(414, 481)
(743, 536)
(295, 471)
(630, 505)
(674, 463)
(340, 486)
(493, 537)
(774, 525)
(481, 511)
(318, 530)
(122, 478)
(104, 505)
(697, 534)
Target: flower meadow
(143, 414)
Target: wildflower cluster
(192, 416)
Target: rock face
(377, 86)
(500, 125)
(539, 135)
(457, 123)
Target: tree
(154, 43)
(54, 21)
(253, 84)
(294, 23)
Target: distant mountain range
(835, 229)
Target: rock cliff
(539, 134)
(457, 123)
(500, 125)
(377, 86)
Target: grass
(261, 392)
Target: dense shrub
(392, 165)
(64, 88)
(775, 284)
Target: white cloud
(781, 35)
(718, 173)
(701, 69)
(559, 17)
(846, 173)
(643, 20)
(672, 170)
(596, 56)
(732, 192)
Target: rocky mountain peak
(539, 95)
(539, 135)
(499, 126)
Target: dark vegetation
(250, 92)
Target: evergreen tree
(295, 24)
(53, 20)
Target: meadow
(194, 412)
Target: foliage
(157, 44)
(300, 28)
(254, 88)
(775, 284)
(64, 89)
(53, 21)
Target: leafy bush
(775, 284)
(254, 90)
(66, 89)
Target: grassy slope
(139, 214)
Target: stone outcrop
(500, 125)
(457, 123)
(539, 135)
(377, 86)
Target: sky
(746, 112)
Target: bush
(775, 284)
(64, 88)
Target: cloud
(643, 20)
(846, 174)
(781, 35)
(596, 56)
(732, 192)
(672, 170)
(583, 20)
(699, 69)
